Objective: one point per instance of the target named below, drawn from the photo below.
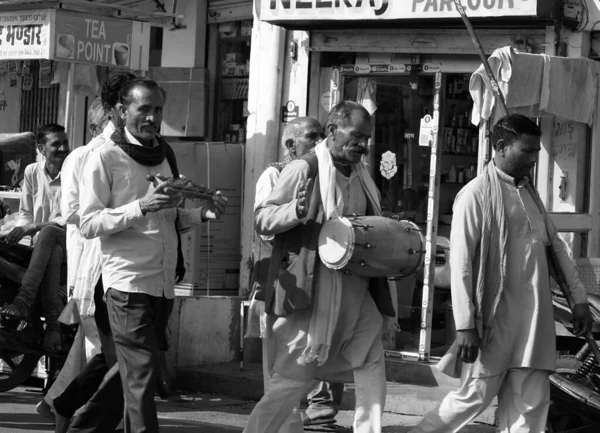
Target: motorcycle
(21, 340)
(575, 385)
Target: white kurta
(523, 329)
(359, 323)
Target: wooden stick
(494, 83)
(495, 87)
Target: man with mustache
(322, 323)
(501, 294)
(135, 222)
(40, 218)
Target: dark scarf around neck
(148, 156)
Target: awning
(153, 11)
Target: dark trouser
(103, 390)
(326, 395)
(104, 410)
(138, 322)
(48, 259)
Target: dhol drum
(371, 246)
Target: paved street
(198, 413)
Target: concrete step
(411, 398)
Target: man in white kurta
(518, 349)
(341, 331)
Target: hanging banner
(327, 10)
(93, 39)
(25, 35)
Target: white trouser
(523, 403)
(283, 395)
(293, 423)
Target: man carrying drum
(322, 323)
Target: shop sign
(73, 37)
(289, 112)
(426, 131)
(93, 39)
(327, 10)
(25, 35)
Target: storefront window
(399, 103)
(234, 43)
(569, 166)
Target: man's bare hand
(303, 196)
(159, 199)
(582, 319)
(214, 209)
(18, 233)
(468, 345)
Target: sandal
(12, 312)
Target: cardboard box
(212, 251)
(185, 107)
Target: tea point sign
(74, 37)
(327, 10)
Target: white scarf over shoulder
(327, 302)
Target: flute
(186, 187)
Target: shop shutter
(220, 11)
(38, 106)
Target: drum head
(336, 243)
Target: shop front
(410, 63)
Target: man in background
(299, 137)
(40, 218)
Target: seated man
(40, 218)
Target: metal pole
(433, 202)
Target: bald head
(301, 135)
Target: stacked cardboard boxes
(212, 251)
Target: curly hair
(112, 86)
